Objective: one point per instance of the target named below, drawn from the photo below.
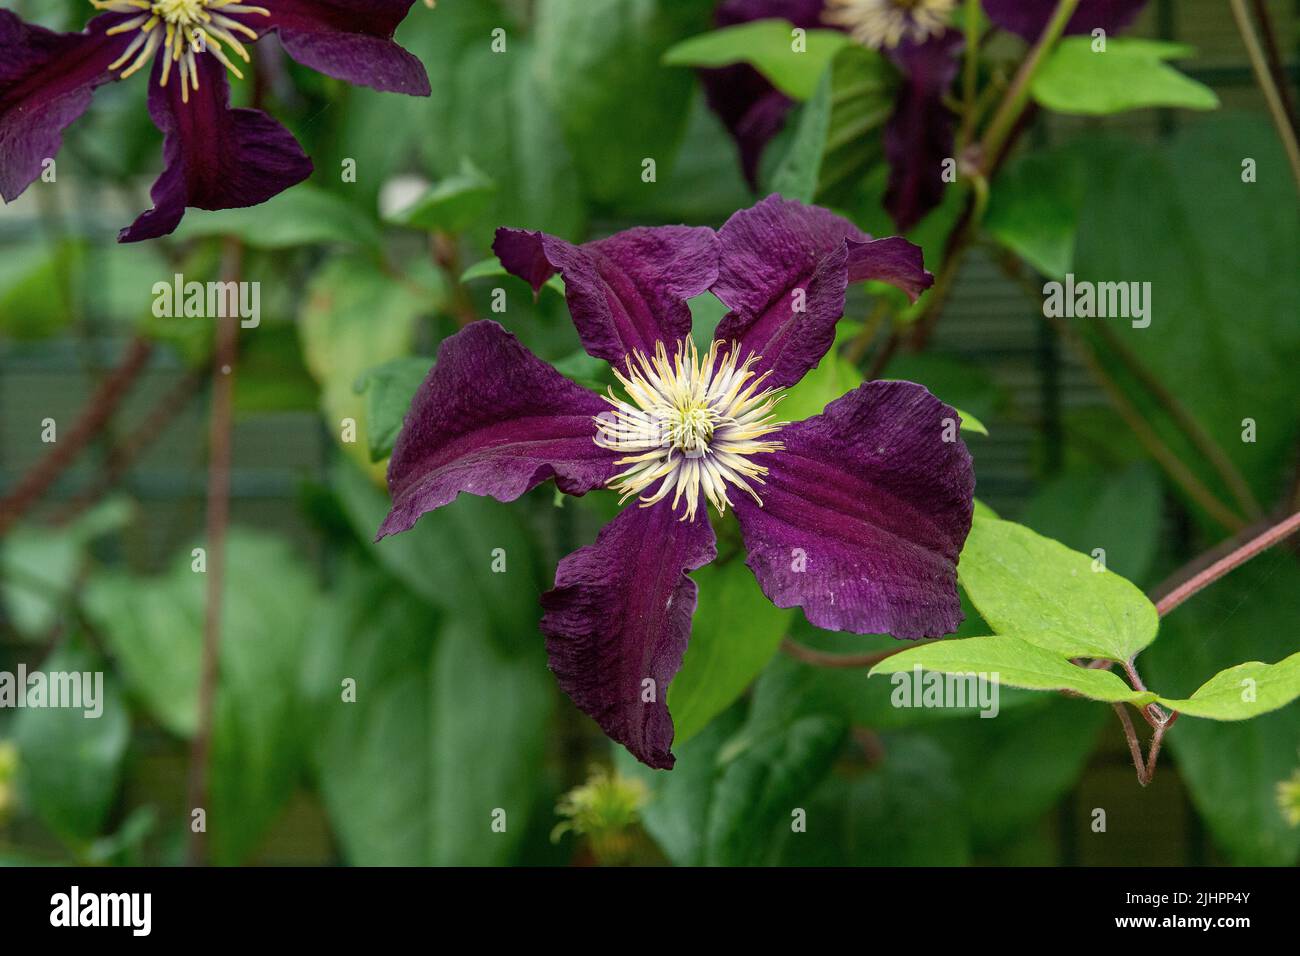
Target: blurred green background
(456, 716)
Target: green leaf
(593, 61)
(1130, 74)
(863, 89)
(451, 205)
(905, 811)
(969, 423)
(1015, 663)
(768, 46)
(1221, 265)
(1117, 510)
(1244, 691)
(154, 628)
(1232, 768)
(354, 318)
(796, 175)
(71, 763)
(448, 557)
(1034, 210)
(302, 216)
(758, 790)
(723, 659)
(389, 389)
(1045, 593)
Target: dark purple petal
(620, 615)
(1028, 18)
(626, 292)
(351, 40)
(492, 419)
(783, 270)
(46, 82)
(213, 157)
(864, 514)
(919, 134)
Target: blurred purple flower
(215, 157)
(1028, 18)
(857, 515)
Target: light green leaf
(594, 61)
(1040, 590)
(969, 423)
(389, 389)
(302, 216)
(723, 659)
(767, 46)
(154, 628)
(1015, 663)
(492, 268)
(796, 175)
(1034, 210)
(1244, 691)
(1130, 74)
(71, 763)
(452, 204)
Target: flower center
(882, 24)
(181, 29)
(691, 424)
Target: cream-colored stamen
(182, 30)
(690, 424)
(882, 24)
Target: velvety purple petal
(620, 616)
(1028, 18)
(46, 82)
(213, 157)
(783, 271)
(752, 109)
(351, 40)
(493, 419)
(864, 514)
(919, 134)
(626, 292)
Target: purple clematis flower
(1028, 18)
(215, 157)
(857, 515)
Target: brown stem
(1134, 745)
(219, 458)
(809, 655)
(447, 256)
(1275, 65)
(96, 414)
(1264, 77)
(1202, 579)
(857, 348)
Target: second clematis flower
(857, 515)
(214, 157)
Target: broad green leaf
(724, 656)
(452, 204)
(1232, 768)
(1034, 210)
(449, 556)
(1116, 510)
(1014, 662)
(757, 791)
(796, 175)
(1244, 691)
(71, 763)
(768, 46)
(389, 389)
(1130, 74)
(1040, 590)
(1221, 264)
(39, 566)
(905, 811)
(302, 216)
(594, 62)
(154, 628)
(353, 318)
(863, 89)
